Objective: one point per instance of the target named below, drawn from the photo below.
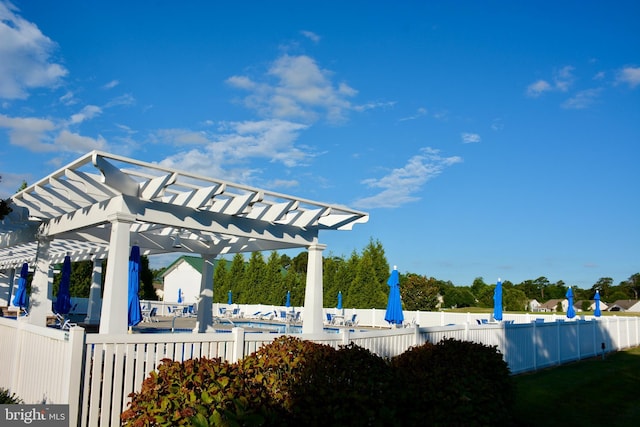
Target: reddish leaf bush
(198, 392)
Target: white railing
(95, 373)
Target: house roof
(193, 261)
(625, 303)
(552, 303)
(76, 206)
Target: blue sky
(485, 139)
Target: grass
(592, 392)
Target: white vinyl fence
(95, 373)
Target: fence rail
(100, 371)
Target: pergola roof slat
(75, 204)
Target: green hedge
(291, 382)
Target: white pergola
(101, 204)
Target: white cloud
(126, 99)
(25, 57)
(563, 78)
(296, 88)
(87, 113)
(538, 88)
(469, 138)
(562, 81)
(311, 36)
(29, 132)
(401, 185)
(283, 183)
(630, 76)
(74, 142)
(227, 152)
(111, 84)
(420, 112)
(582, 99)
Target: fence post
(534, 334)
(238, 344)
(75, 370)
(345, 336)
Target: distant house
(592, 305)
(534, 305)
(552, 305)
(632, 305)
(184, 274)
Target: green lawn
(593, 392)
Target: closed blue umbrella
(339, 306)
(63, 300)
(287, 303)
(20, 298)
(134, 312)
(394, 313)
(571, 312)
(229, 297)
(597, 311)
(179, 295)
(497, 301)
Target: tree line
(361, 278)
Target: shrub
(453, 383)
(280, 365)
(7, 398)
(353, 386)
(200, 392)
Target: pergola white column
(6, 283)
(205, 300)
(113, 319)
(40, 304)
(93, 308)
(312, 319)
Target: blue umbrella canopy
(288, 301)
(20, 298)
(179, 295)
(597, 311)
(229, 297)
(497, 301)
(571, 312)
(134, 312)
(63, 300)
(394, 313)
(339, 306)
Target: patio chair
(64, 323)
(353, 321)
(330, 319)
(149, 315)
(269, 315)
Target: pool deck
(182, 323)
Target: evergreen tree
(366, 290)
(331, 269)
(147, 291)
(274, 281)
(254, 287)
(221, 281)
(235, 277)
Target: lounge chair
(330, 319)
(150, 316)
(353, 321)
(63, 323)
